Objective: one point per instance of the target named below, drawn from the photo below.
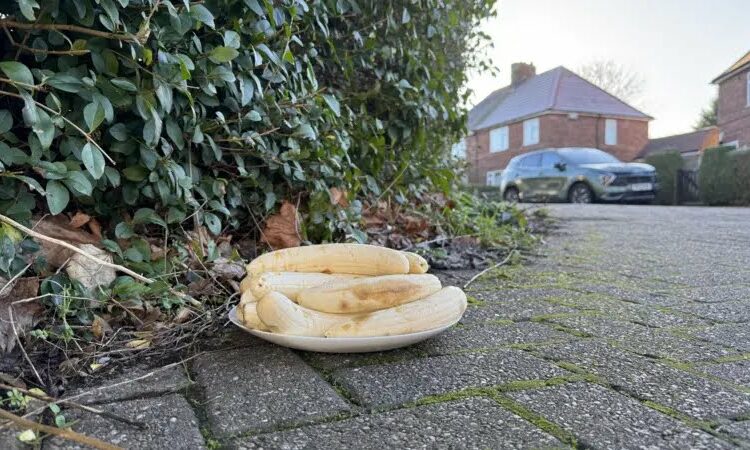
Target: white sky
(677, 46)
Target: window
(549, 160)
(532, 161)
(499, 139)
(747, 89)
(493, 177)
(531, 131)
(610, 132)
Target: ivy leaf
(222, 54)
(253, 116)
(231, 39)
(305, 131)
(6, 121)
(202, 14)
(270, 200)
(78, 182)
(93, 114)
(57, 197)
(333, 103)
(213, 223)
(255, 7)
(405, 16)
(11, 156)
(135, 173)
(124, 84)
(93, 160)
(17, 72)
(27, 8)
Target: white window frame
(747, 89)
(531, 132)
(610, 132)
(499, 139)
(492, 178)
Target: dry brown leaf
(100, 327)
(282, 229)
(58, 227)
(88, 272)
(183, 315)
(338, 197)
(96, 228)
(79, 219)
(25, 315)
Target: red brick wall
(734, 114)
(556, 130)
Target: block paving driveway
(633, 331)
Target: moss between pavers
(537, 420)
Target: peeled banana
(439, 309)
(245, 283)
(291, 283)
(250, 317)
(417, 264)
(368, 294)
(281, 315)
(355, 259)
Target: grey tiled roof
(688, 142)
(558, 89)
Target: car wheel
(580, 193)
(511, 195)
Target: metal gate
(687, 190)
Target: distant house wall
(734, 114)
(556, 130)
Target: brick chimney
(520, 72)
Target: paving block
(163, 381)
(262, 387)
(468, 423)
(170, 421)
(396, 384)
(737, 372)
(732, 335)
(602, 418)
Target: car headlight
(607, 179)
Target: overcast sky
(677, 46)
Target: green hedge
(215, 111)
(717, 176)
(667, 165)
(741, 163)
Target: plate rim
(232, 315)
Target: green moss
(211, 443)
(455, 395)
(572, 331)
(671, 412)
(536, 419)
(475, 301)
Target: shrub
(741, 163)
(667, 165)
(218, 110)
(716, 176)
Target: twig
(101, 262)
(20, 345)
(12, 280)
(67, 27)
(501, 263)
(21, 423)
(96, 411)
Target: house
(556, 108)
(688, 145)
(734, 103)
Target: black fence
(687, 190)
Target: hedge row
(215, 111)
(667, 165)
(725, 176)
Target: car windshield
(587, 156)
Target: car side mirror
(561, 166)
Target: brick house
(554, 109)
(734, 103)
(689, 145)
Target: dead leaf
(96, 228)
(58, 227)
(338, 197)
(282, 229)
(183, 315)
(87, 271)
(230, 270)
(138, 344)
(25, 315)
(100, 327)
(79, 219)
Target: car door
(529, 175)
(553, 175)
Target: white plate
(340, 345)
(641, 187)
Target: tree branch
(68, 27)
(21, 423)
